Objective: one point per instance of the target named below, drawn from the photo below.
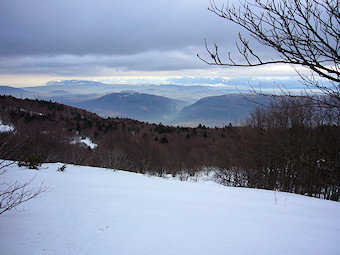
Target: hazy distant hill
(70, 89)
(212, 111)
(10, 91)
(153, 103)
(220, 110)
(137, 106)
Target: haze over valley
(187, 101)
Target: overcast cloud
(120, 31)
(103, 26)
(99, 37)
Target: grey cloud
(66, 64)
(92, 37)
(104, 27)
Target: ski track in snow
(90, 210)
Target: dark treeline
(290, 146)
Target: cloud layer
(46, 36)
(99, 27)
(74, 38)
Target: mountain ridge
(132, 102)
(221, 110)
(139, 106)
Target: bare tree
(14, 194)
(301, 33)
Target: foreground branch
(14, 194)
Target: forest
(291, 146)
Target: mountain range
(169, 104)
(139, 106)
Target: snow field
(90, 210)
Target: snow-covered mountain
(90, 210)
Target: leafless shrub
(14, 194)
(62, 168)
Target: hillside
(210, 106)
(278, 148)
(97, 211)
(47, 130)
(221, 110)
(139, 106)
(10, 91)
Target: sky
(44, 40)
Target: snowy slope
(96, 211)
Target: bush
(163, 140)
(32, 162)
(62, 168)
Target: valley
(176, 105)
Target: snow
(87, 141)
(90, 210)
(5, 128)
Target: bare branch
(14, 194)
(303, 32)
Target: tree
(14, 194)
(295, 149)
(301, 33)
